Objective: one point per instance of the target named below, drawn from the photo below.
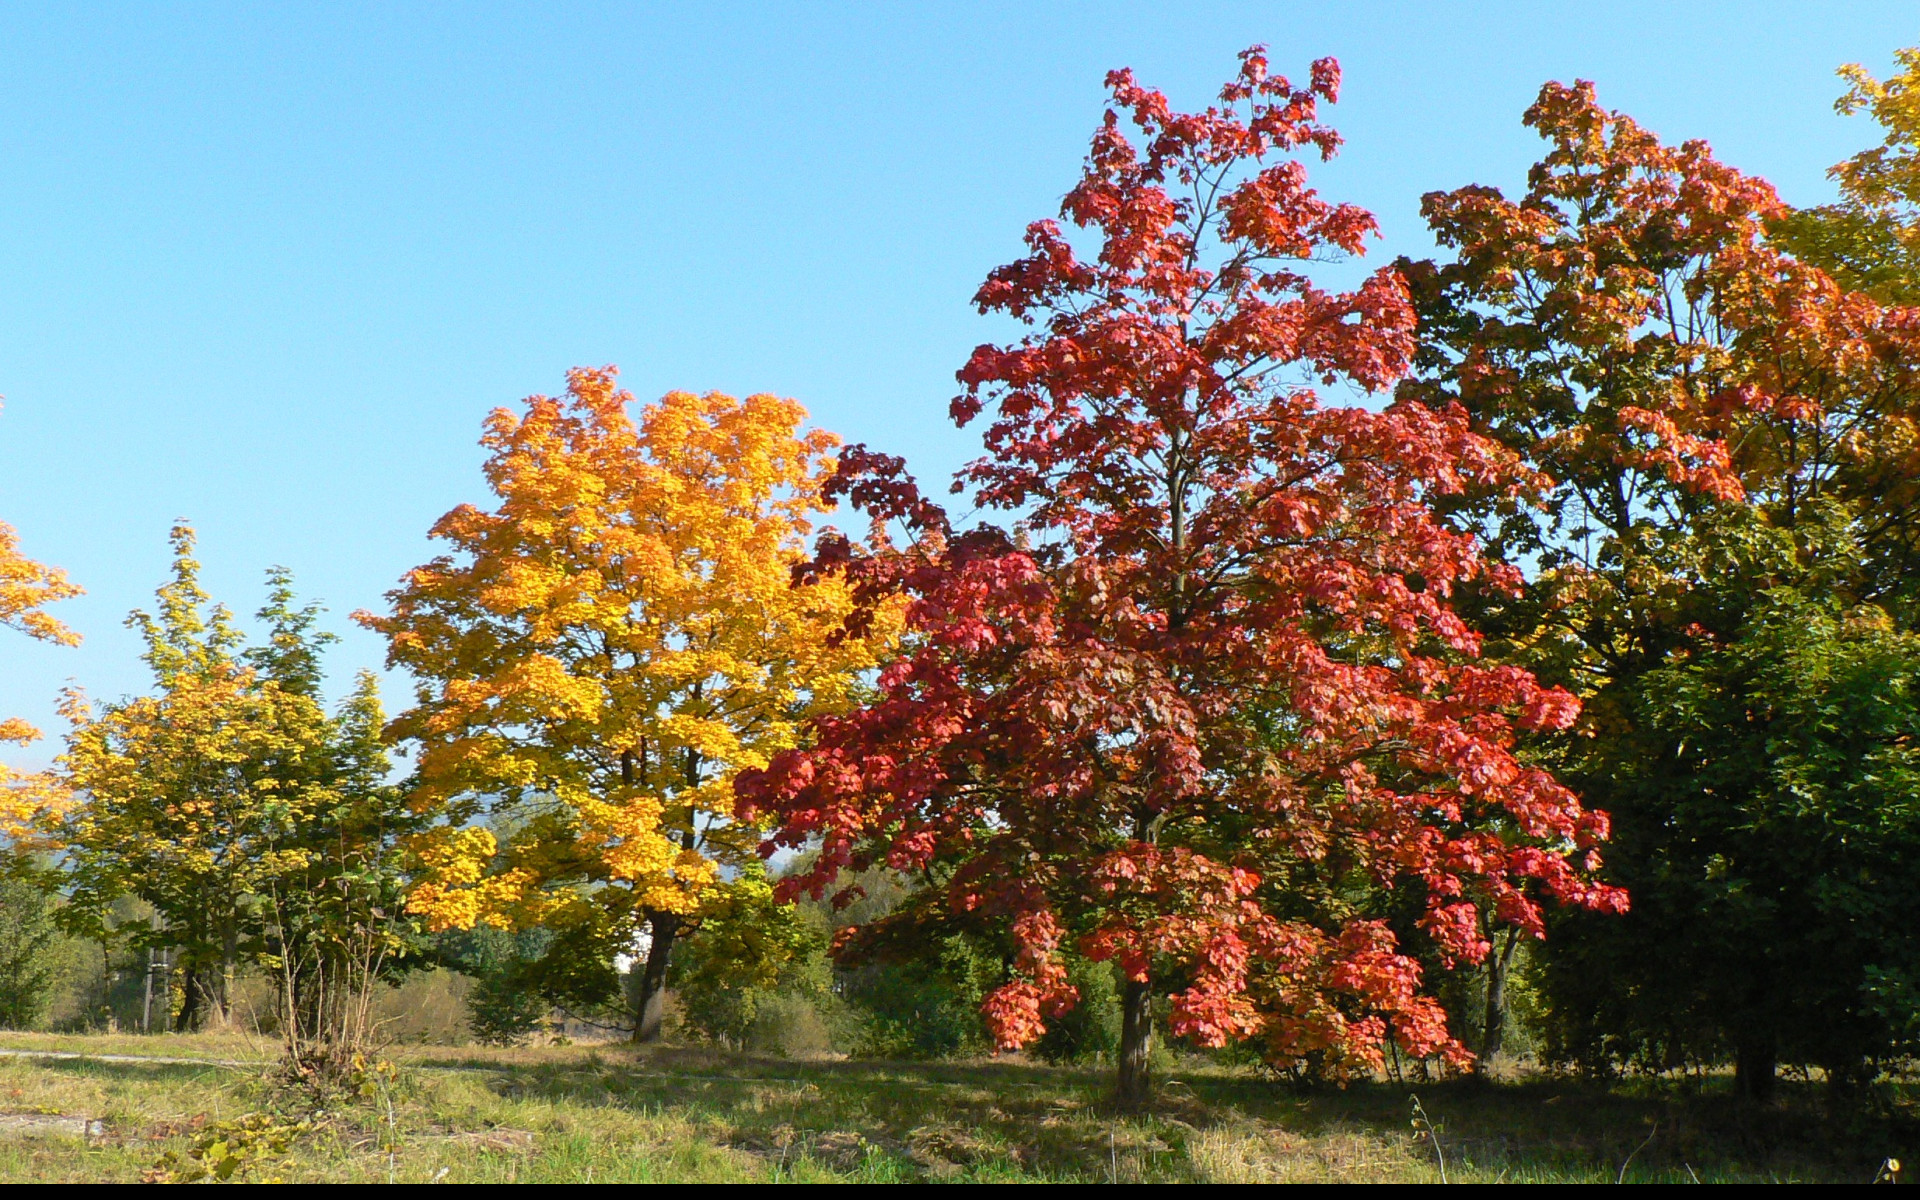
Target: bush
(793, 1026)
(426, 1008)
(923, 1007)
(1092, 1029)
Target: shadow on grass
(925, 1118)
(1059, 1122)
(143, 1072)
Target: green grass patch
(614, 1114)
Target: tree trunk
(1136, 1042)
(189, 1015)
(229, 961)
(1493, 1030)
(1753, 1067)
(650, 998)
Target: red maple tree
(1208, 687)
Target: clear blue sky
(267, 266)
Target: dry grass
(612, 1114)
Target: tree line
(1325, 656)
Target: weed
(227, 1150)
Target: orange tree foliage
(1733, 440)
(1208, 693)
(1628, 330)
(26, 588)
(605, 649)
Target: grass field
(611, 1114)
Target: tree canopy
(1208, 686)
(601, 655)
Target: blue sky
(267, 266)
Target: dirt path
(157, 1060)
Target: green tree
(1723, 426)
(259, 828)
(28, 941)
(505, 1005)
(182, 791)
(1767, 791)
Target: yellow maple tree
(604, 650)
(26, 588)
